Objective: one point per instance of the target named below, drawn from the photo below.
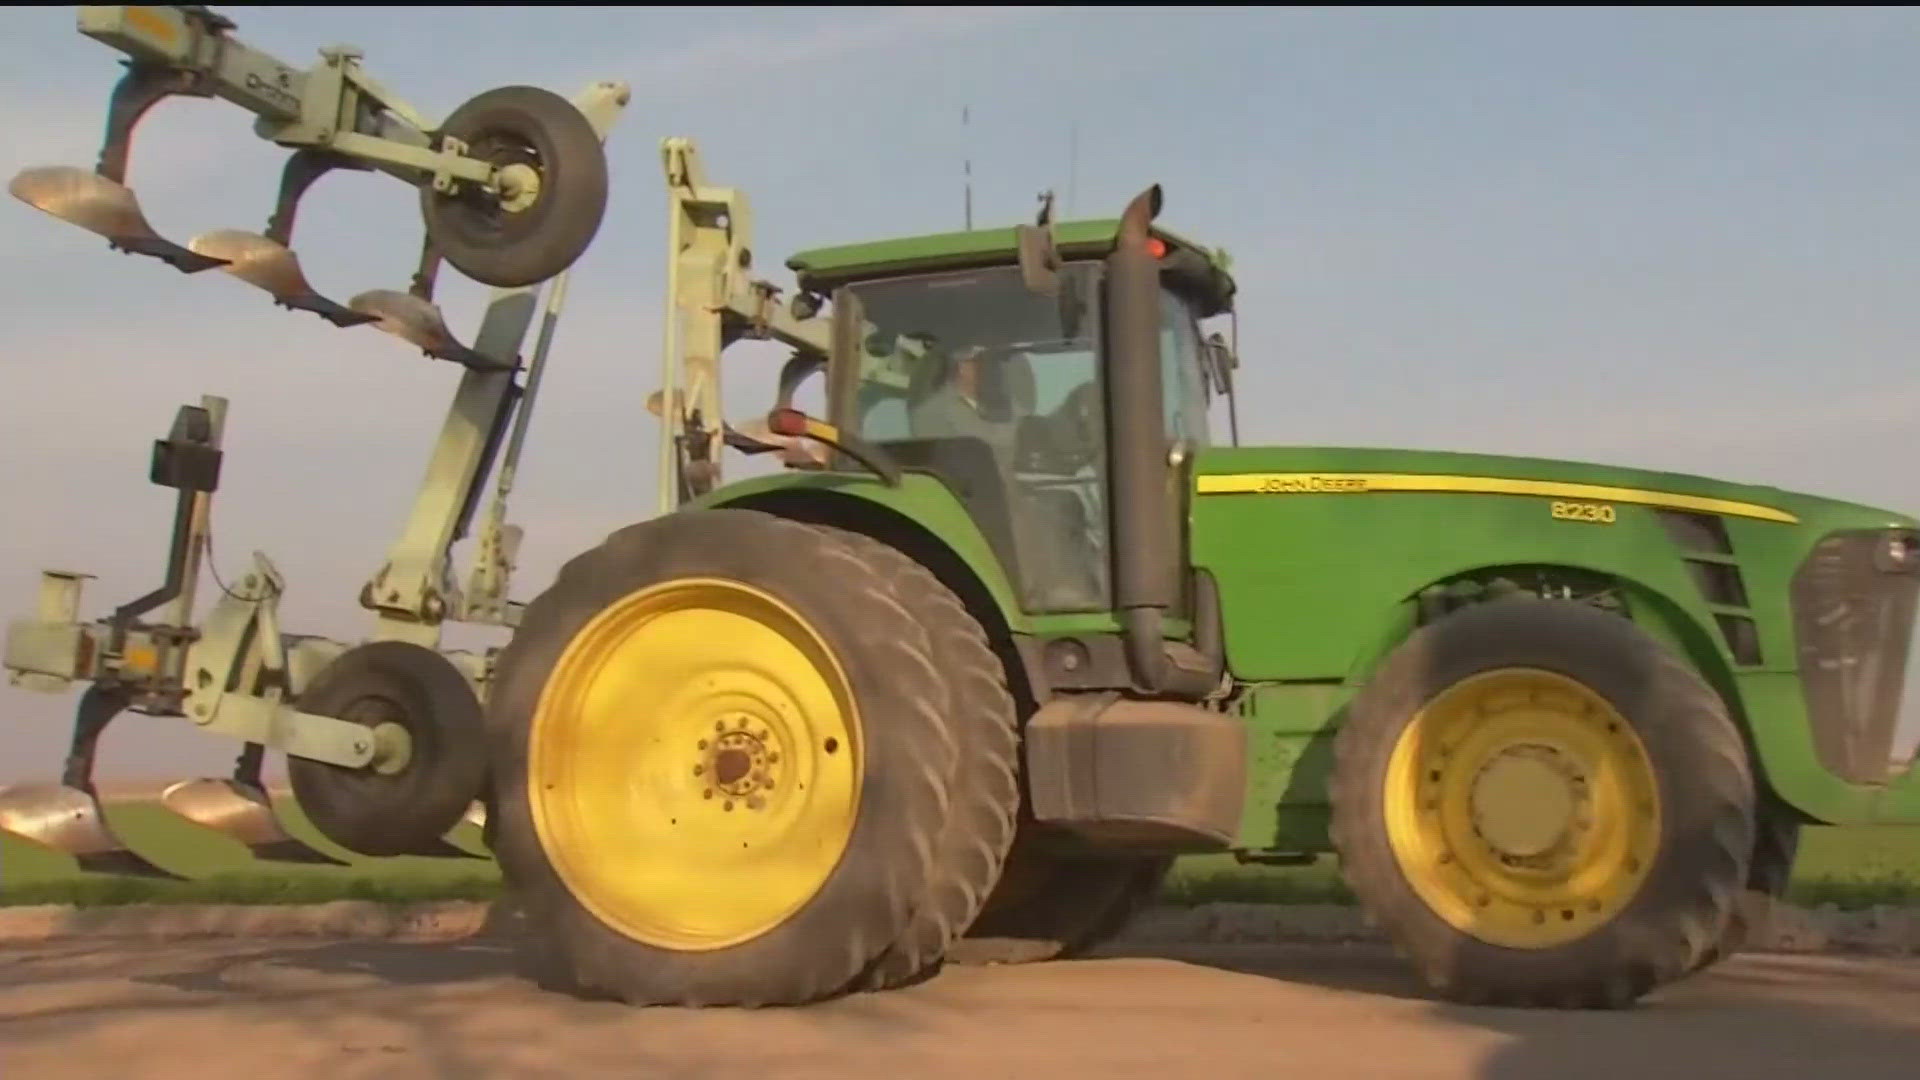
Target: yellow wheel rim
(694, 764)
(1522, 808)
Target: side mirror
(799, 367)
(1217, 363)
(1039, 260)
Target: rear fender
(921, 516)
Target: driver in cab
(954, 409)
(1050, 528)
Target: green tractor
(1011, 630)
(1017, 633)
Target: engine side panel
(1322, 557)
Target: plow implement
(237, 807)
(512, 185)
(67, 816)
(380, 736)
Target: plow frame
(516, 212)
(713, 302)
(333, 105)
(237, 673)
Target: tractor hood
(1352, 470)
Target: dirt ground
(260, 1009)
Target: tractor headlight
(1854, 599)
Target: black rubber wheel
(983, 796)
(409, 812)
(510, 248)
(1776, 843)
(865, 902)
(1662, 908)
(1051, 906)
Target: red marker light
(1156, 247)
(789, 422)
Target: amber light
(788, 422)
(1156, 247)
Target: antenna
(1073, 164)
(966, 147)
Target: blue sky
(1680, 239)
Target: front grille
(1852, 623)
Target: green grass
(1851, 868)
(220, 870)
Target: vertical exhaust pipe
(1147, 562)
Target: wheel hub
(519, 186)
(391, 731)
(1525, 800)
(738, 762)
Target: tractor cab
(982, 359)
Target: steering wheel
(1063, 441)
(1081, 412)
(1072, 433)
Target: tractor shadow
(1349, 967)
(460, 1008)
(384, 962)
(1758, 1016)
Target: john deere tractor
(1017, 632)
(1011, 629)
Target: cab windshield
(997, 390)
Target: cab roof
(824, 269)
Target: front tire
(1542, 806)
(720, 764)
(1776, 844)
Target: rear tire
(984, 796)
(836, 789)
(1628, 816)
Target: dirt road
(255, 1010)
